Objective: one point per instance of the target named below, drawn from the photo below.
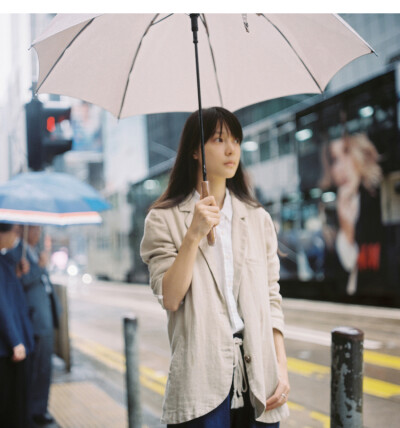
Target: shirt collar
(227, 207)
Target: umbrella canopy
(50, 198)
(144, 63)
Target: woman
(225, 323)
(351, 166)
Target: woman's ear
(195, 155)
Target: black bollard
(347, 378)
(132, 371)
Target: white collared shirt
(224, 260)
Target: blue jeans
(225, 417)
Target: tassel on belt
(239, 376)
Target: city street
(103, 121)
(96, 312)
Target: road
(96, 312)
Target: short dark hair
(5, 227)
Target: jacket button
(247, 358)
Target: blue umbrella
(50, 198)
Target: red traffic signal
(51, 124)
(49, 132)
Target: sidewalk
(86, 398)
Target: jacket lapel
(187, 207)
(240, 235)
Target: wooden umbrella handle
(205, 191)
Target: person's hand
(19, 353)
(280, 396)
(43, 259)
(347, 210)
(206, 216)
(22, 268)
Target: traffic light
(48, 131)
(57, 131)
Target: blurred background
(129, 160)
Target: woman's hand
(19, 353)
(281, 393)
(178, 277)
(206, 216)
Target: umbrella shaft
(194, 19)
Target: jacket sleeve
(9, 329)
(157, 250)
(275, 297)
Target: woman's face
(222, 152)
(343, 167)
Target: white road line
(340, 308)
(320, 337)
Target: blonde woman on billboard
(351, 167)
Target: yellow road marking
(154, 386)
(383, 360)
(295, 406)
(322, 418)
(371, 386)
(116, 360)
(379, 388)
(305, 368)
(154, 375)
(156, 381)
(111, 358)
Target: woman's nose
(230, 146)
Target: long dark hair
(183, 178)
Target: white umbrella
(143, 63)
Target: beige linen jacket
(200, 333)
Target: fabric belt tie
(239, 376)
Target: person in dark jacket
(44, 310)
(16, 338)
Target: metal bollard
(62, 347)
(132, 371)
(347, 378)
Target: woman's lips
(229, 164)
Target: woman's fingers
(279, 397)
(213, 219)
(208, 200)
(276, 401)
(210, 209)
(206, 216)
(207, 210)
